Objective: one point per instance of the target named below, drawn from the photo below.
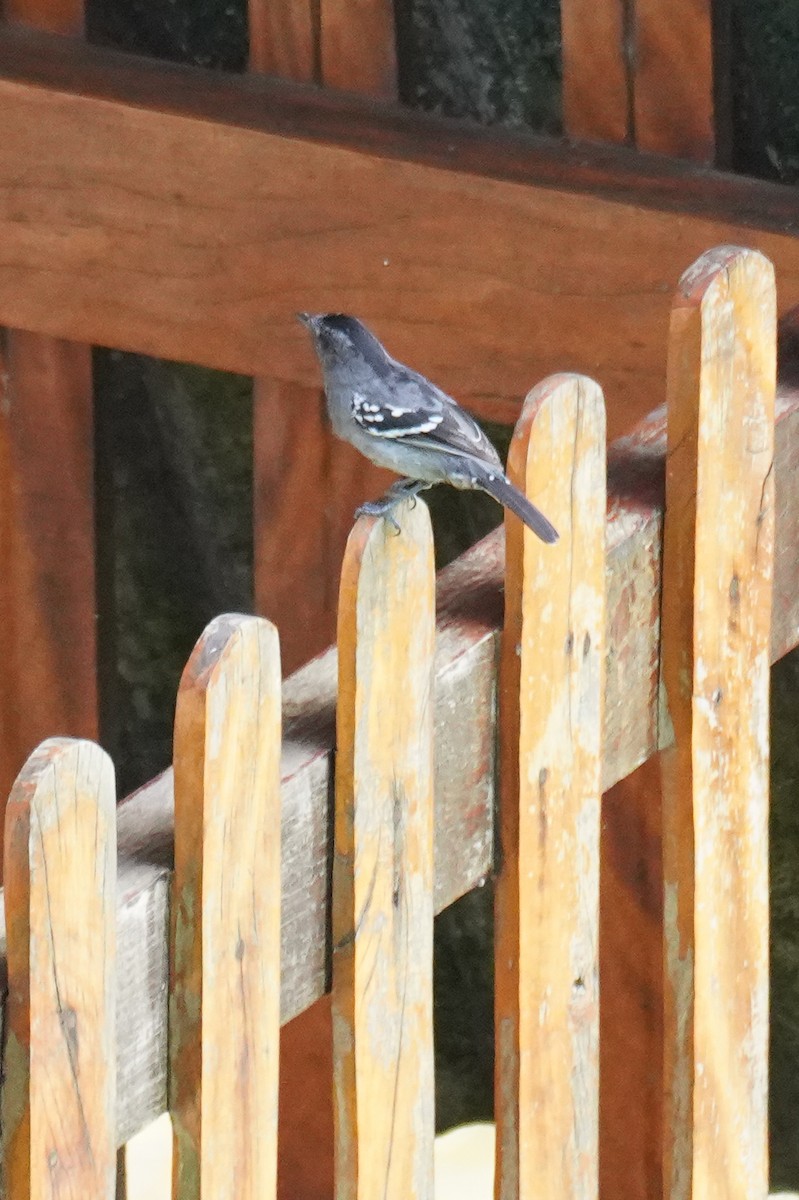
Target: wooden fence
(109, 196)
(122, 1004)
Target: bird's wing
(417, 413)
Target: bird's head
(341, 339)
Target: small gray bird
(399, 420)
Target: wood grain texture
(469, 615)
(382, 993)
(547, 890)
(47, 585)
(241, 201)
(596, 37)
(225, 928)
(718, 554)
(674, 101)
(59, 1092)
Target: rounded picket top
(547, 889)
(59, 1109)
(383, 877)
(224, 1003)
(715, 654)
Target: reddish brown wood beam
(47, 582)
(47, 598)
(180, 213)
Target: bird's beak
(310, 322)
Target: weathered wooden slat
(209, 181)
(382, 993)
(718, 554)
(551, 692)
(60, 907)
(596, 42)
(224, 1027)
(468, 619)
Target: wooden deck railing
(579, 681)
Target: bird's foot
(404, 489)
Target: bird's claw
(403, 489)
(379, 508)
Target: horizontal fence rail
(412, 189)
(245, 819)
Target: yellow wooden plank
(58, 1098)
(383, 863)
(547, 896)
(225, 967)
(717, 574)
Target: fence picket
(225, 949)
(547, 895)
(718, 555)
(58, 1100)
(383, 863)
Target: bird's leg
(403, 489)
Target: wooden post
(58, 1097)
(47, 581)
(718, 552)
(225, 955)
(596, 39)
(547, 894)
(383, 863)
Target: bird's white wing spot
(424, 427)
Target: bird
(400, 420)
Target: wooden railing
(116, 1012)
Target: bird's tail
(503, 490)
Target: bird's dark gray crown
(363, 342)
